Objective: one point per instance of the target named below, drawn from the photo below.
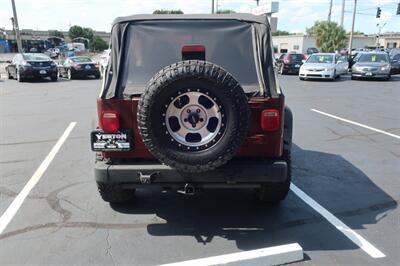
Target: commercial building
(301, 42)
(390, 40)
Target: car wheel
(193, 116)
(69, 74)
(19, 78)
(114, 193)
(54, 78)
(301, 78)
(97, 76)
(353, 77)
(334, 76)
(281, 70)
(274, 193)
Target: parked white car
(324, 66)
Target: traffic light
(378, 12)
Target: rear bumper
(35, 73)
(85, 73)
(316, 74)
(372, 75)
(239, 172)
(292, 68)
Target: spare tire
(193, 116)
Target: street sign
(269, 8)
(273, 22)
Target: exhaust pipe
(188, 189)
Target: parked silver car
(324, 66)
(371, 65)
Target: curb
(270, 256)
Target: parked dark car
(371, 65)
(290, 63)
(31, 66)
(312, 50)
(395, 62)
(79, 67)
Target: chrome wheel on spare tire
(193, 116)
(194, 120)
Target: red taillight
(109, 122)
(193, 49)
(270, 120)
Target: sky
(294, 15)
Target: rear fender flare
(288, 129)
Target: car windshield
(81, 60)
(296, 57)
(324, 59)
(154, 45)
(373, 58)
(36, 57)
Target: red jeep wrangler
(190, 102)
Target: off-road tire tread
(113, 193)
(273, 193)
(194, 69)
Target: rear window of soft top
(153, 45)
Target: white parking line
(355, 123)
(273, 256)
(17, 202)
(353, 236)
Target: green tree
(75, 31)
(98, 44)
(56, 33)
(225, 11)
(88, 33)
(78, 31)
(329, 36)
(280, 32)
(165, 11)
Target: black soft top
(113, 86)
(235, 16)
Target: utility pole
(378, 39)
(17, 35)
(330, 11)
(212, 7)
(352, 28)
(342, 16)
(258, 2)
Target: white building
(301, 42)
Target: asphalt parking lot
(346, 158)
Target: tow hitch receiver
(146, 178)
(188, 189)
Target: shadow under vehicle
(237, 216)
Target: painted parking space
(66, 218)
